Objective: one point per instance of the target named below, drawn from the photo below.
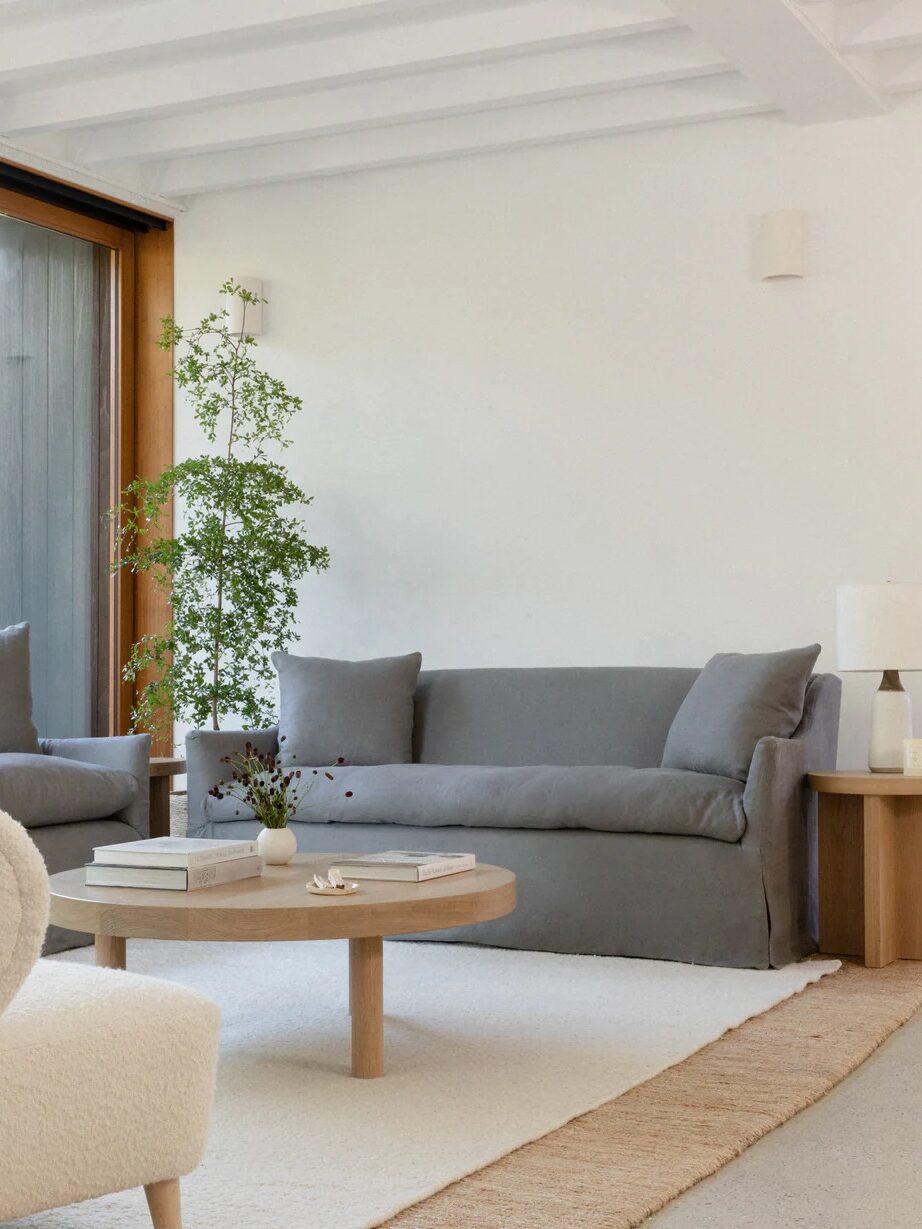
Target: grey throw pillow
(360, 710)
(737, 699)
(17, 733)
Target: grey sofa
(555, 773)
(76, 793)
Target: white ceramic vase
(276, 846)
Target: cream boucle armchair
(106, 1078)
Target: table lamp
(880, 628)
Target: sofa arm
(129, 752)
(777, 805)
(205, 750)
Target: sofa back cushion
(737, 699)
(361, 711)
(570, 715)
(17, 733)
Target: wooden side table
(870, 865)
(162, 767)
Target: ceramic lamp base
(891, 722)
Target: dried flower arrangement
(260, 783)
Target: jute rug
(617, 1165)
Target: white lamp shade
(879, 627)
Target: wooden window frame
(143, 397)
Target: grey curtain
(54, 467)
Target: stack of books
(407, 864)
(180, 864)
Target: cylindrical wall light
(254, 311)
(778, 244)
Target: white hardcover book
(172, 851)
(228, 871)
(410, 865)
(172, 878)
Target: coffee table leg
(366, 995)
(110, 951)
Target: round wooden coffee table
(278, 906)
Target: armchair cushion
(17, 733)
(47, 789)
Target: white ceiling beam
(822, 14)
(526, 27)
(775, 45)
(14, 10)
(870, 25)
(622, 63)
(899, 69)
(161, 28)
(67, 172)
(456, 136)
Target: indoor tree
(231, 573)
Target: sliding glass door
(57, 364)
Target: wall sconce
(254, 311)
(778, 245)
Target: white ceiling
(178, 97)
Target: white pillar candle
(912, 757)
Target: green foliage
(231, 574)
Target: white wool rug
(485, 1050)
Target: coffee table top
(278, 905)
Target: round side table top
(876, 784)
(167, 766)
(277, 905)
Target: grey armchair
(70, 793)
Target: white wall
(549, 417)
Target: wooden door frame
(143, 397)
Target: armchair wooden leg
(163, 1201)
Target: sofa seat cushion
(47, 789)
(605, 798)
